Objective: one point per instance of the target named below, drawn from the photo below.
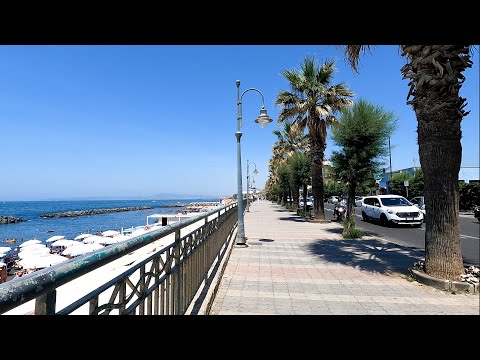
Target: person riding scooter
(340, 210)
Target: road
(410, 236)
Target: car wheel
(384, 220)
(418, 225)
(364, 216)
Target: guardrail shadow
(367, 254)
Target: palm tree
(290, 140)
(435, 75)
(312, 104)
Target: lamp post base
(241, 241)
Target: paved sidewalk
(296, 267)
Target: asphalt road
(415, 237)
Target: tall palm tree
(312, 103)
(435, 75)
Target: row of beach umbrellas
(33, 254)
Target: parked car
(309, 203)
(391, 209)
(476, 212)
(358, 201)
(419, 201)
(333, 200)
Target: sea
(39, 228)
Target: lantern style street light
(263, 120)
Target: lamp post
(263, 120)
(255, 172)
(390, 154)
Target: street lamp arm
(263, 100)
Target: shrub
(353, 233)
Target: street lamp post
(263, 120)
(255, 172)
(390, 154)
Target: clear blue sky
(134, 121)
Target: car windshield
(395, 202)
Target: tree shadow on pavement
(367, 254)
(293, 218)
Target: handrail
(18, 291)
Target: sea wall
(93, 211)
(10, 220)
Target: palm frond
(326, 71)
(352, 53)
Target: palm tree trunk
(435, 71)
(317, 132)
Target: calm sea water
(36, 227)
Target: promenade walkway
(292, 266)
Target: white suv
(391, 209)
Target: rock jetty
(10, 220)
(93, 212)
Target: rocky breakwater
(10, 220)
(93, 212)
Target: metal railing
(165, 281)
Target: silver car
(419, 201)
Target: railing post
(122, 297)
(177, 277)
(45, 304)
(93, 304)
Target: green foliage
(367, 187)
(362, 134)
(417, 184)
(469, 195)
(304, 214)
(353, 233)
(335, 189)
(283, 175)
(299, 166)
(396, 183)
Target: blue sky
(135, 121)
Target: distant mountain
(159, 196)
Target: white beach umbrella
(81, 249)
(65, 242)
(82, 236)
(30, 242)
(41, 262)
(32, 247)
(110, 233)
(116, 239)
(93, 239)
(74, 250)
(94, 246)
(54, 238)
(34, 253)
(4, 249)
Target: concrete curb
(443, 284)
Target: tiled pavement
(296, 267)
